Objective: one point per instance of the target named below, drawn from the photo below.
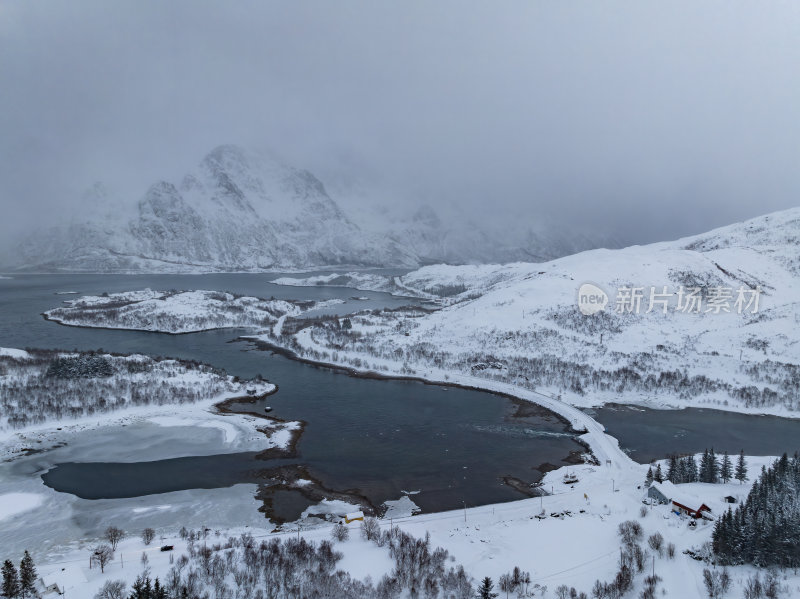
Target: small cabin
(657, 493)
(680, 502)
(353, 516)
(729, 499)
(50, 585)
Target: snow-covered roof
(678, 495)
(68, 577)
(354, 515)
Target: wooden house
(353, 516)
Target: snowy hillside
(42, 389)
(442, 283)
(724, 333)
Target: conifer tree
(713, 467)
(762, 530)
(648, 480)
(658, 476)
(726, 468)
(672, 470)
(706, 470)
(11, 587)
(741, 468)
(485, 590)
(27, 576)
(691, 470)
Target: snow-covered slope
(775, 235)
(442, 283)
(523, 322)
(239, 210)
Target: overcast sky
(648, 120)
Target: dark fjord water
(649, 434)
(372, 437)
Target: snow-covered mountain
(242, 210)
(239, 210)
(521, 323)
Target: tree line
(50, 385)
(711, 469)
(19, 582)
(764, 530)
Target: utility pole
(613, 488)
(465, 509)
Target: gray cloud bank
(645, 120)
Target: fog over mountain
(241, 210)
(448, 131)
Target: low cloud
(647, 121)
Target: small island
(178, 312)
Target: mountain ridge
(240, 210)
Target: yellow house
(353, 516)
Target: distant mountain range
(241, 210)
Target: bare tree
(771, 584)
(717, 582)
(370, 529)
(340, 532)
(630, 531)
(753, 588)
(506, 584)
(148, 534)
(114, 535)
(102, 554)
(111, 589)
(656, 542)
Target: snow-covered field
(574, 544)
(440, 283)
(181, 421)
